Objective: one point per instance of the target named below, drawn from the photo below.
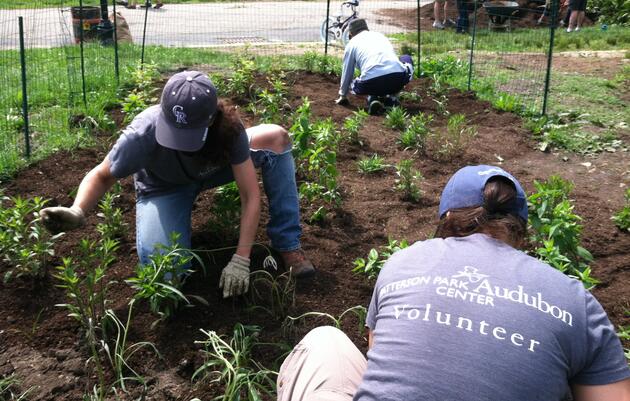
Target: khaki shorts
(324, 366)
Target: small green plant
(241, 82)
(139, 90)
(407, 181)
(25, 246)
(271, 104)
(624, 334)
(556, 230)
(289, 325)
(353, 124)
(160, 281)
(409, 96)
(441, 105)
(225, 212)
(622, 218)
(272, 295)
(416, 133)
(230, 362)
(372, 266)
(84, 282)
(371, 165)
(448, 145)
(113, 225)
(120, 354)
(506, 102)
(318, 63)
(396, 118)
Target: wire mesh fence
(77, 52)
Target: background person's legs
(324, 366)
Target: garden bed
(45, 348)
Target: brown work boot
(298, 264)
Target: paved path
(209, 24)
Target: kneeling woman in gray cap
(188, 143)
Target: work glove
(57, 219)
(235, 277)
(342, 101)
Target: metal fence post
(144, 32)
(82, 54)
(418, 49)
(552, 31)
(116, 60)
(472, 47)
(27, 139)
(327, 17)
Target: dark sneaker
(376, 108)
(391, 101)
(298, 264)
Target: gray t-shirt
(157, 169)
(475, 319)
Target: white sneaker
(569, 30)
(577, 28)
(438, 25)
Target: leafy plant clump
(140, 91)
(446, 146)
(25, 245)
(160, 281)
(556, 230)
(416, 133)
(290, 323)
(622, 218)
(396, 118)
(272, 103)
(225, 212)
(372, 266)
(273, 295)
(372, 164)
(229, 361)
(407, 181)
(353, 124)
(113, 225)
(241, 82)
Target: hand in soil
(57, 219)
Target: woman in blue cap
(468, 316)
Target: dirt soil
(526, 17)
(45, 348)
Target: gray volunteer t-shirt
(474, 319)
(157, 169)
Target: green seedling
(396, 118)
(225, 212)
(622, 218)
(113, 225)
(372, 266)
(230, 362)
(86, 288)
(290, 323)
(407, 181)
(371, 165)
(441, 105)
(160, 281)
(241, 83)
(506, 102)
(416, 133)
(353, 124)
(25, 246)
(120, 354)
(451, 144)
(9, 389)
(271, 104)
(409, 96)
(273, 295)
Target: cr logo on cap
(180, 116)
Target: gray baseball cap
(189, 103)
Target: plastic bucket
(85, 19)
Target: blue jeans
(157, 216)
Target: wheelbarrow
(500, 13)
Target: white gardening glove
(235, 277)
(57, 219)
(342, 101)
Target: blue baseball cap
(465, 189)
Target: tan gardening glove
(235, 277)
(57, 219)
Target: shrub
(241, 82)
(396, 118)
(556, 230)
(415, 136)
(226, 212)
(372, 164)
(113, 225)
(352, 125)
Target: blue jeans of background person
(384, 85)
(463, 7)
(157, 216)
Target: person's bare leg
(444, 20)
(580, 19)
(436, 11)
(572, 20)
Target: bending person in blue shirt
(383, 74)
